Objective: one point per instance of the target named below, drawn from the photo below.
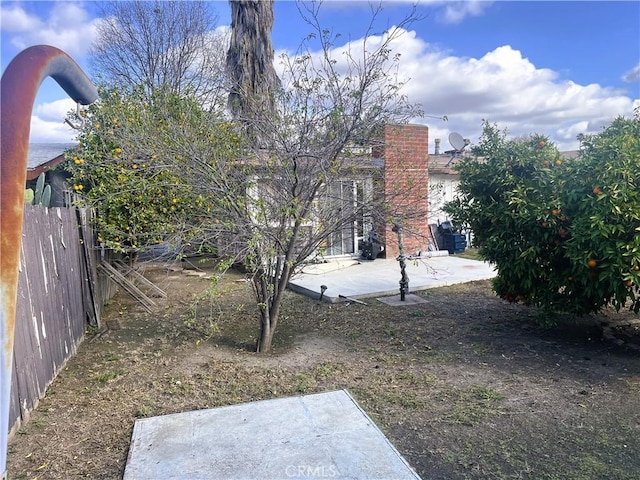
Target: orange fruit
(597, 191)
(555, 212)
(541, 143)
(558, 163)
(628, 283)
(592, 262)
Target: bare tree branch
(156, 43)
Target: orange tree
(140, 198)
(564, 234)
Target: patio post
(404, 279)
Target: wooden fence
(59, 294)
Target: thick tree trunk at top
(250, 59)
(253, 82)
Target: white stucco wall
(442, 189)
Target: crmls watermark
(311, 471)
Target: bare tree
(154, 43)
(311, 173)
(333, 99)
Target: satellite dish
(456, 141)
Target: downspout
(20, 83)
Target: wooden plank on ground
(126, 270)
(127, 286)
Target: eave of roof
(442, 163)
(45, 156)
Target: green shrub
(564, 234)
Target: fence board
(56, 296)
(90, 254)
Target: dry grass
(465, 385)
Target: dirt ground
(466, 386)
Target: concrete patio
(361, 279)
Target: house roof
(442, 163)
(570, 154)
(358, 159)
(45, 156)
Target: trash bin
(445, 227)
(454, 242)
(371, 250)
(371, 247)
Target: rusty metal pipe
(20, 83)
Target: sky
(552, 68)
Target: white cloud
(15, 19)
(632, 75)
(457, 11)
(47, 122)
(503, 87)
(571, 131)
(67, 27)
(506, 88)
(447, 11)
(54, 111)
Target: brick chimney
(406, 183)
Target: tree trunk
(266, 335)
(250, 58)
(268, 322)
(269, 296)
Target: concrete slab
(328, 267)
(325, 435)
(396, 300)
(381, 277)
